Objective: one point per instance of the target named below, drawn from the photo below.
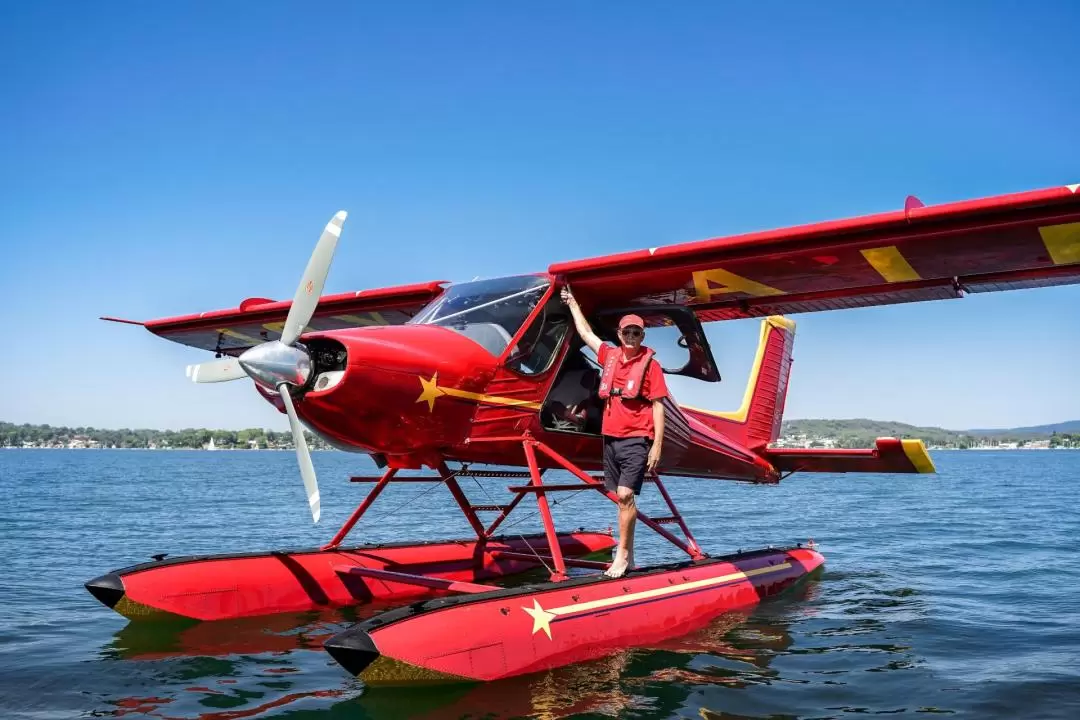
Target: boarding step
(492, 473)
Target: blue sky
(162, 159)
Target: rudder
(757, 421)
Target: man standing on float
(632, 387)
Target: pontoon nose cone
(273, 363)
(107, 588)
(353, 649)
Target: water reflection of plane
(152, 705)
(232, 642)
(181, 637)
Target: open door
(674, 332)
(572, 403)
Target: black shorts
(624, 462)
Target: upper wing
(259, 320)
(1023, 240)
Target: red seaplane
(439, 377)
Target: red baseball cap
(631, 320)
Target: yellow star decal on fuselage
(541, 618)
(430, 392)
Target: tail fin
(757, 421)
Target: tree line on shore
(861, 433)
(845, 433)
(12, 435)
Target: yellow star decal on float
(541, 618)
(430, 392)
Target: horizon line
(784, 420)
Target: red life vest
(635, 374)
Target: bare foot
(618, 566)
(617, 569)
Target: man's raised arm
(582, 325)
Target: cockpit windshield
(488, 312)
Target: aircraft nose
(406, 389)
(109, 589)
(353, 649)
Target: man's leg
(632, 455)
(636, 472)
(611, 483)
(627, 520)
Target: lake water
(952, 593)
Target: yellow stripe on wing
(890, 264)
(1062, 242)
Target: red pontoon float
(222, 587)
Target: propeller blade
(221, 370)
(303, 457)
(311, 284)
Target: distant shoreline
(860, 433)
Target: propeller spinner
(281, 364)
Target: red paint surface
(220, 588)
(501, 642)
(377, 403)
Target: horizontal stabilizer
(889, 455)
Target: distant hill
(861, 432)
(1069, 426)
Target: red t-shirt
(631, 418)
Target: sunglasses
(631, 332)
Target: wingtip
(108, 318)
(341, 215)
